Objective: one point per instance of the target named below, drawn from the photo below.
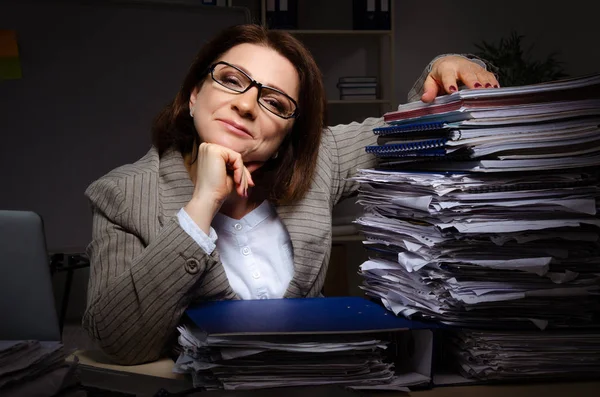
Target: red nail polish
(477, 85)
(488, 85)
(452, 88)
(495, 85)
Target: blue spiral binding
(406, 128)
(406, 147)
(438, 152)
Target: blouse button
(256, 274)
(238, 226)
(246, 251)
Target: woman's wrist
(202, 212)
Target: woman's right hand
(218, 171)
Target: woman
(241, 153)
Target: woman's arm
(346, 145)
(137, 293)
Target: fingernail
(495, 85)
(488, 85)
(452, 88)
(477, 85)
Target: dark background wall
(425, 29)
(94, 76)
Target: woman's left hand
(447, 72)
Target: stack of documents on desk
(296, 342)
(483, 215)
(550, 126)
(494, 355)
(267, 361)
(33, 368)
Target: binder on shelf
(371, 14)
(282, 14)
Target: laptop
(27, 308)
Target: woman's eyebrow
(249, 74)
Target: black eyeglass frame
(253, 83)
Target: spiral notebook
(410, 128)
(431, 147)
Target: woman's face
(237, 121)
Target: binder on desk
(298, 316)
(311, 321)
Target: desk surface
(163, 369)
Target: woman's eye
(232, 81)
(274, 103)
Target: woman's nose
(246, 103)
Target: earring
(191, 113)
(275, 155)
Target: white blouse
(256, 250)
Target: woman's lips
(235, 128)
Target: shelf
(338, 32)
(327, 28)
(356, 102)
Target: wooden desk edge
(162, 368)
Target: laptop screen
(27, 307)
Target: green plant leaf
(515, 66)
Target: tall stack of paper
(484, 214)
(494, 355)
(301, 342)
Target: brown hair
(289, 176)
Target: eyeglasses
(272, 99)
